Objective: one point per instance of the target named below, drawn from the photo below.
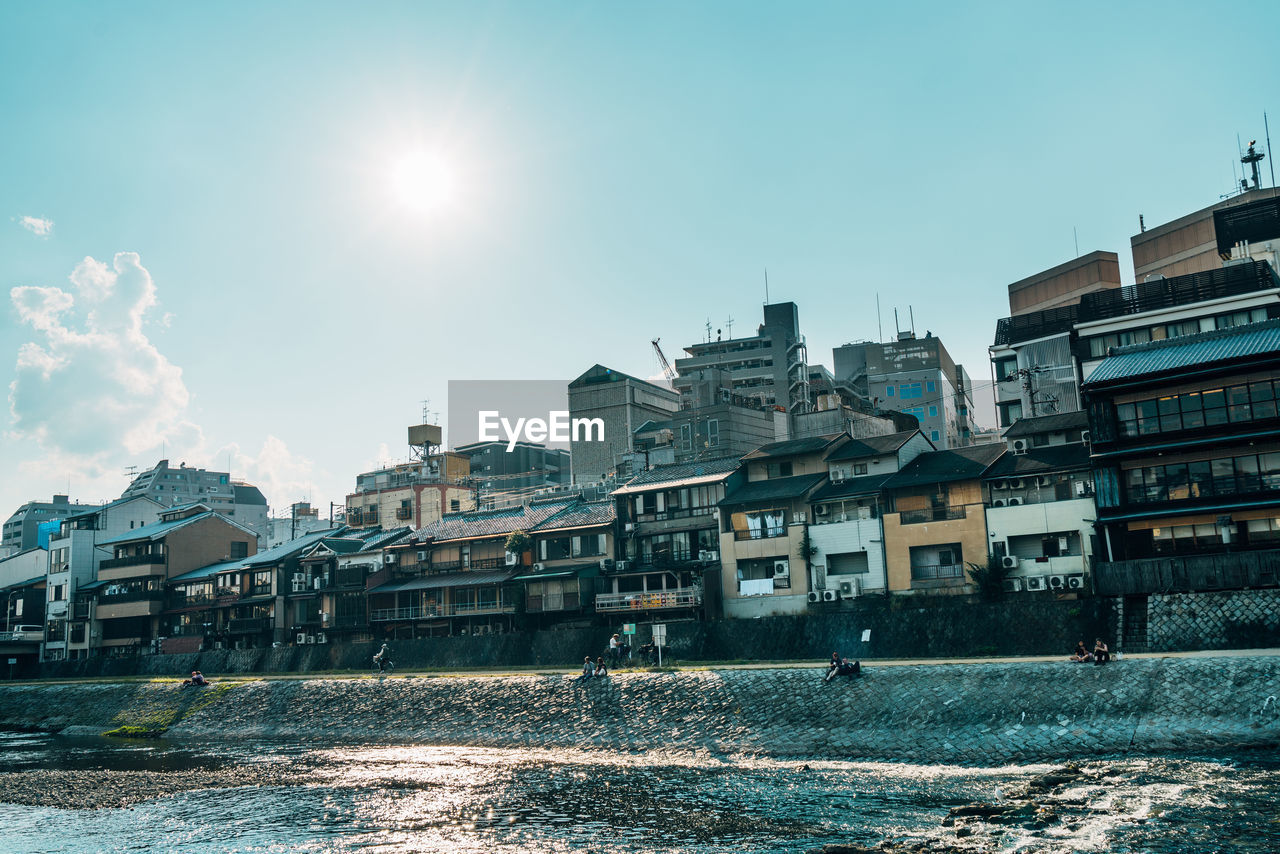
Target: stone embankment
(962, 713)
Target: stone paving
(973, 714)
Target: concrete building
(1040, 510)
(74, 559)
(844, 518)
(22, 590)
(173, 487)
(572, 550)
(622, 403)
(30, 525)
(915, 376)
(935, 522)
(1065, 283)
(302, 519)
(415, 493)
(501, 474)
(1246, 226)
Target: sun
(423, 181)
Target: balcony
(1188, 573)
(248, 625)
(403, 513)
(937, 572)
(130, 596)
(681, 597)
(931, 514)
(134, 560)
(429, 612)
(547, 602)
(662, 560)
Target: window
(888, 390)
(454, 505)
(859, 468)
(239, 549)
(1010, 411)
(713, 433)
(778, 470)
(686, 437)
(910, 391)
(929, 386)
(933, 435)
(933, 412)
(759, 524)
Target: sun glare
(423, 181)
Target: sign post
(629, 629)
(659, 639)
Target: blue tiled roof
(1172, 354)
(581, 515)
(491, 523)
(205, 571)
(157, 529)
(287, 550)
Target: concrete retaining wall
(1235, 619)
(980, 713)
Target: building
(415, 493)
(129, 596)
(730, 427)
(502, 473)
(914, 376)
(844, 519)
(74, 559)
(668, 554)
(1066, 283)
(22, 590)
(30, 525)
(935, 524)
(344, 568)
(1039, 498)
(621, 403)
(175, 487)
(1245, 226)
(302, 519)
(764, 535)
(572, 549)
(1185, 448)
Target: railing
(259, 590)
(936, 572)
(674, 558)
(176, 602)
(678, 513)
(426, 612)
(488, 563)
(403, 513)
(1181, 574)
(770, 533)
(445, 565)
(131, 596)
(248, 625)
(681, 597)
(931, 514)
(22, 637)
(552, 602)
(134, 560)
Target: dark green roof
(792, 447)
(1038, 460)
(946, 466)
(871, 446)
(206, 571)
(1189, 351)
(774, 489)
(868, 485)
(1056, 423)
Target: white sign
(659, 634)
(866, 635)
(13, 661)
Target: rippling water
(451, 799)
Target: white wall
(1047, 518)
(858, 535)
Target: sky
(259, 236)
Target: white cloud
(283, 476)
(37, 225)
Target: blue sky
(619, 172)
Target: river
(61, 794)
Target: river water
(238, 796)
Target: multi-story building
(327, 591)
(844, 518)
(499, 470)
(1185, 447)
(915, 376)
(302, 519)
(174, 487)
(1039, 497)
(129, 595)
(415, 493)
(621, 403)
(31, 524)
(571, 550)
(1066, 283)
(74, 558)
(22, 590)
(668, 556)
(1245, 226)
(764, 542)
(935, 524)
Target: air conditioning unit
(422, 555)
(538, 567)
(1075, 582)
(1009, 562)
(1014, 502)
(1035, 582)
(998, 502)
(849, 589)
(1000, 484)
(299, 577)
(1057, 582)
(1043, 481)
(837, 477)
(311, 638)
(623, 565)
(1019, 446)
(318, 582)
(606, 564)
(708, 556)
(815, 596)
(820, 510)
(299, 584)
(1011, 585)
(302, 638)
(781, 569)
(388, 558)
(321, 637)
(829, 596)
(512, 558)
(1084, 436)
(1016, 483)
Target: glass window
(888, 390)
(1192, 410)
(1134, 485)
(1175, 476)
(1270, 464)
(1238, 403)
(910, 391)
(1215, 406)
(1248, 479)
(1005, 368)
(1200, 479)
(1224, 479)
(933, 412)
(929, 386)
(1148, 417)
(1170, 420)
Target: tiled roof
(791, 447)
(946, 466)
(99, 508)
(284, 551)
(159, 529)
(447, 579)
(18, 585)
(871, 446)
(205, 571)
(1055, 423)
(681, 474)
(774, 489)
(1037, 460)
(490, 523)
(581, 514)
(1172, 354)
(376, 538)
(868, 485)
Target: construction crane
(667, 371)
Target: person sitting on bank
(588, 670)
(600, 668)
(832, 666)
(197, 678)
(1081, 654)
(1101, 655)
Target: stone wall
(1234, 619)
(963, 713)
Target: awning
(539, 576)
(445, 579)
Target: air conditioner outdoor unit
(837, 477)
(1043, 481)
(815, 596)
(606, 563)
(311, 638)
(1035, 582)
(829, 596)
(322, 638)
(299, 576)
(1009, 562)
(1084, 435)
(623, 565)
(538, 567)
(849, 589)
(1019, 446)
(820, 510)
(1014, 502)
(388, 558)
(708, 556)
(300, 585)
(1012, 585)
(781, 569)
(1075, 582)
(512, 558)
(1016, 483)
(1000, 484)
(1057, 582)
(302, 637)
(422, 555)
(999, 502)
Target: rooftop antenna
(728, 324)
(131, 472)
(879, 323)
(897, 330)
(1076, 234)
(766, 285)
(1272, 165)
(708, 330)
(911, 312)
(1142, 226)
(1250, 158)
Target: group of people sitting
(841, 667)
(1100, 655)
(592, 670)
(197, 679)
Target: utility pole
(1028, 385)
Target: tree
(518, 542)
(989, 579)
